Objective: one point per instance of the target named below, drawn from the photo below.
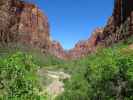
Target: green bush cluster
(105, 75)
(18, 79)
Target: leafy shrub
(105, 75)
(18, 80)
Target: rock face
(83, 48)
(57, 50)
(120, 24)
(7, 16)
(33, 27)
(24, 23)
(122, 10)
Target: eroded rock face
(23, 22)
(83, 48)
(57, 50)
(7, 21)
(33, 26)
(122, 10)
(120, 26)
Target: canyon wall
(57, 50)
(118, 28)
(120, 25)
(22, 22)
(85, 47)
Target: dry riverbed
(52, 81)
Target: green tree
(18, 78)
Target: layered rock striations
(57, 50)
(85, 47)
(24, 23)
(120, 24)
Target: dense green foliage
(18, 80)
(105, 75)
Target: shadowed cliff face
(127, 8)
(122, 10)
(7, 20)
(23, 22)
(120, 27)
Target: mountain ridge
(24, 23)
(119, 27)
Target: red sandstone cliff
(57, 50)
(120, 24)
(24, 23)
(35, 24)
(21, 22)
(83, 48)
